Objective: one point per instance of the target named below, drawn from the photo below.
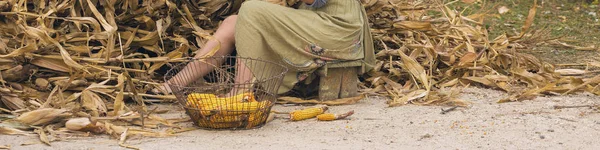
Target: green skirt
(306, 40)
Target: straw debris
(65, 59)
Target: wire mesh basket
(214, 100)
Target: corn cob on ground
(307, 113)
(331, 117)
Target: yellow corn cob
(206, 109)
(208, 104)
(241, 108)
(227, 119)
(326, 117)
(330, 116)
(244, 97)
(211, 109)
(256, 119)
(200, 97)
(210, 99)
(307, 113)
(249, 97)
(201, 101)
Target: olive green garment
(306, 40)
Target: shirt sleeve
(318, 3)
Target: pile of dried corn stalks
(62, 59)
(422, 55)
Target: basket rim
(280, 75)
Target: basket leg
(339, 83)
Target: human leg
(223, 38)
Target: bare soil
(486, 125)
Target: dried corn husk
(43, 116)
(11, 101)
(11, 131)
(84, 124)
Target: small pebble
(550, 130)
(542, 137)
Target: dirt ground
(486, 125)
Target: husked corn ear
(255, 119)
(212, 98)
(199, 97)
(209, 109)
(193, 103)
(326, 117)
(226, 119)
(241, 108)
(200, 101)
(330, 116)
(208, 104)
(227, 112)
(307, 113)
(243, 97)
(206, 109)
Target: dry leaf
(467, 58)
(570, 72)
(408, 98)
(42, 135)
(530, 18)
(594, 80)
(589, 48)
(11, 131)
(122, 139)
(119, 104)
(415, 70)
(93, 102)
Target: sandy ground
(486, 125)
